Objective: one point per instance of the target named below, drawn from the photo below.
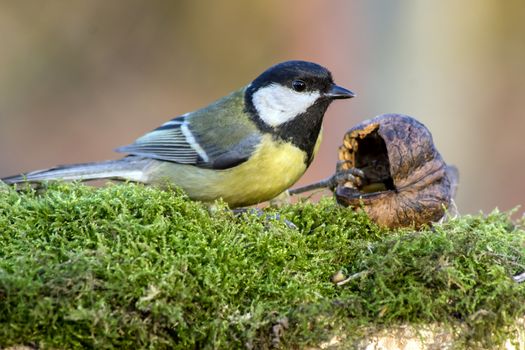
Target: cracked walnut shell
(406, 183)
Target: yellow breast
(273, 168)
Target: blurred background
(79, 78)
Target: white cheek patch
(277, 104)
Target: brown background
(80, 78)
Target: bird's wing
(171, 141)
(206, 138)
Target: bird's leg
(341, 176)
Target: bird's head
(290, 89)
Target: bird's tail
(129, 168)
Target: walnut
(406, 181)
(390, 167)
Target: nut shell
(407, 182)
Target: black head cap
(315, 77)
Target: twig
(353, 277)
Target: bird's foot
(342, 176)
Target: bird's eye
(298, 85)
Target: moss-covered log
(127, 266)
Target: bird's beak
(337, 92)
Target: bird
(246, 148)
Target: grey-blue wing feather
(235, 155)
(176, 142)
(164, 143)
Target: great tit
(245, 148)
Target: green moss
(131, 266)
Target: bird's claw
(343, 176)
